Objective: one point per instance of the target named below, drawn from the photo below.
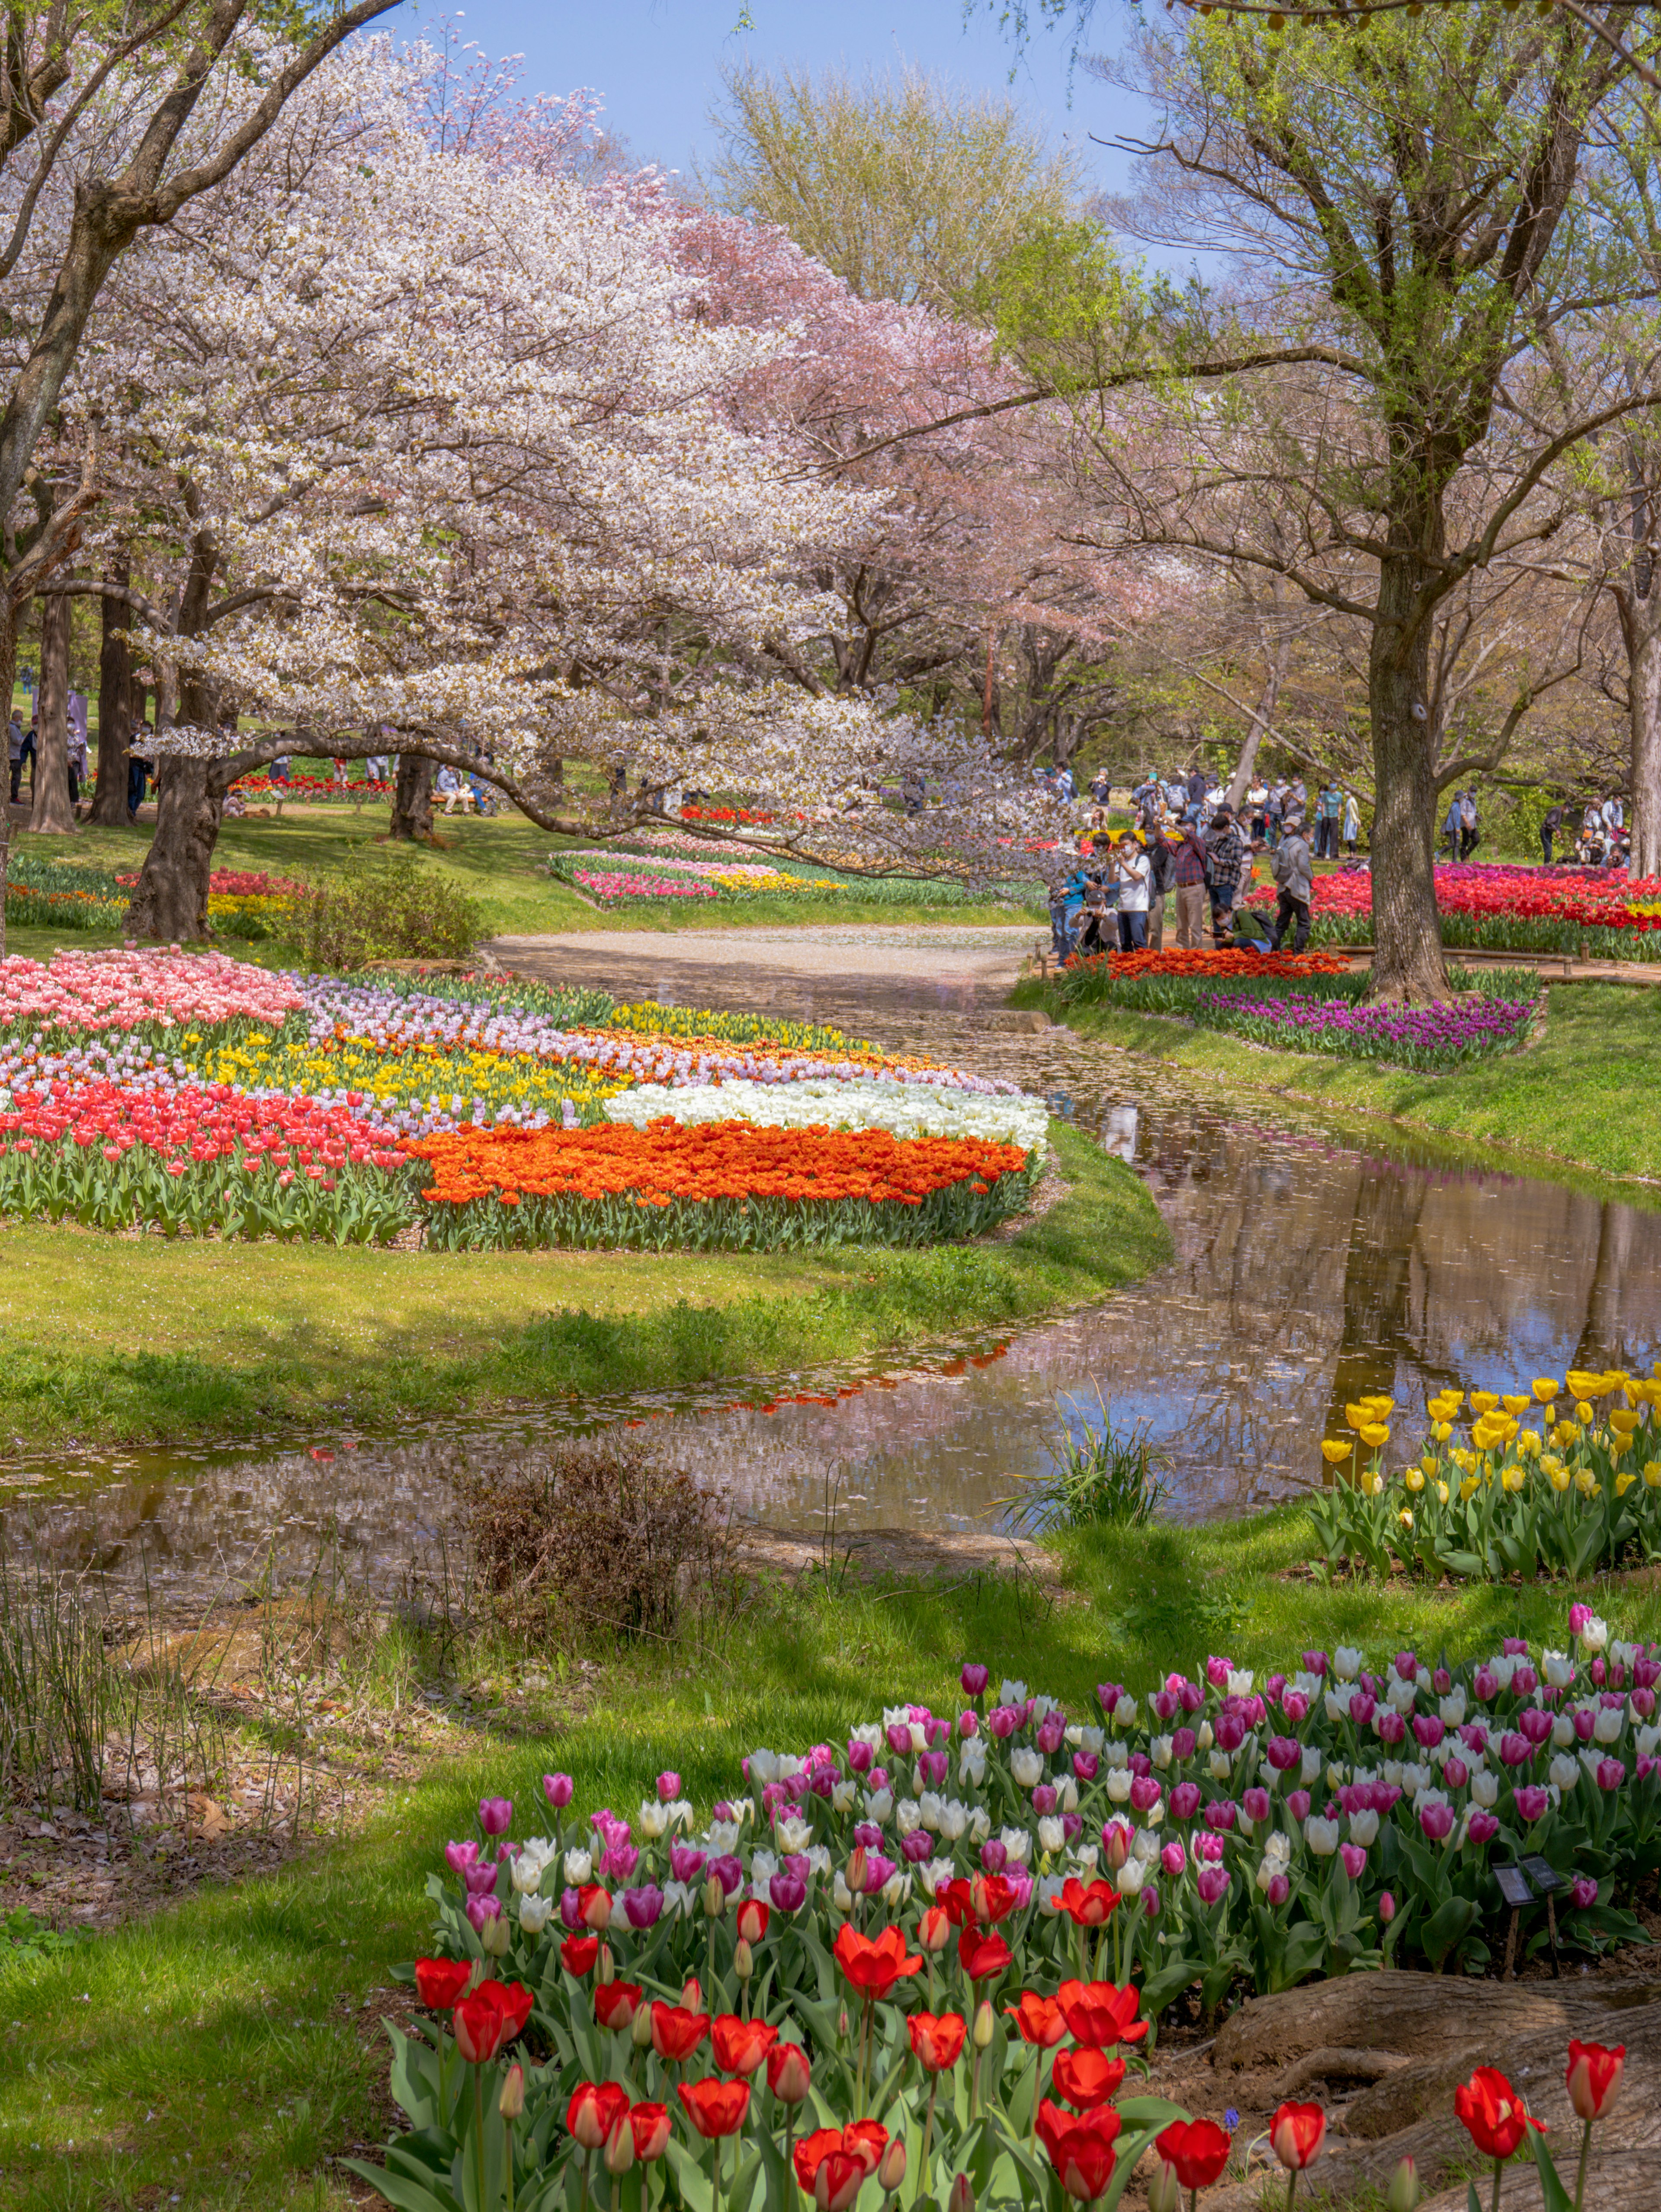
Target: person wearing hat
(1131, 873)
(1294, 875)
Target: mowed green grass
(121, 1339)
(225, 2049)
(1588, 1090)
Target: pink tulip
(668, 1788)
(1212, 1883)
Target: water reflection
(1305, 1273)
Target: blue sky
(657, 63)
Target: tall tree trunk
(8, 678)
(1640, 624)
(1279, 656)
(412, 799)
(51, 811)
(170, 900)
(115, 690)
(1406, 934)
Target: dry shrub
(599, 1537)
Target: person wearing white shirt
(1131, 873)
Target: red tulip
(1087, 2077)
(837, 2180)
(1492, 2114)
(982, 1958)
(594, 2109)
(1101, 2015)
(1296, 2134)
(1053, 2123)
(615, 2004)
(1594, 2077)
(934, 1929)
(577, 1954)
(1196, 2151)
(1038, 2019)
(789, 2077)
(676, 2032)
(873, 1968)
(936, 2042)
(863, 2143)
(740, 2045)
(594, 1905)
(714, 2108)
(1088, 1906)
(1084, 2163)
(752, 1918)
(649, 2125)
(440, 1982)
(492, 2016)
(991, 1898)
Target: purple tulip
(460, 1857)
(1182, 1744)
(877, 1870)
(1407, 1666)
(1531, 1802)
(1534, 1724)
(1229, 1732)
(1515, 1647)
(1209, 1847)
(935, 1766)
(1052, 1734)
(1140, 1763)
(1277, 1891)
(686, 1864)
(495, 1815)
(1645, 1672)
(1441, 1681)
(1515, 1750)
(1165, 1704)
(917, 1847)
(571, 1908)
(877, 1778)
(668, 1788)
(1217, 1672)
(1072, 1827)
(1021, 1882)
(1485, 1685)
(1184, 1800)
(1314, 1663)
(1610, 1774)
(558, 1789)
(1298, 1804)
(1256, 1804)
(994, 1857)
(974, 1679)
(1087, 1764)
(868, 1834)
(1481, 1828)
(643, 1905)
(1437, 1821)
(483, 1909)
(1192, 1695)
(1272, 1687)
(1473, 1735)
(1583, 1892)
(1150, 1894)
(481, 1880)
(1144, 1794)
(1212, 1883)
(1002, 1721)
(1579, 1616)
(1222, 1812)
(1526, 1681)
(1043, 1799)
(1295, 1705)
(1284, 1752)
(860, 1756)
(619, 1862)
(1643, 1704)
(728, 1870)
(1391, 1726)
(1173, 1859)
(1354, 1859)
(1108, 1695)
(1429, 1730)
(899, 1738)
(788, 1892)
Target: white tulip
(1564, 1772)
(1052, 1835)
(533, 1914)
(1017, 1842)
(1558, 1669)
(1363, 1827)
(1321, 1835)
(1159, 1751)
(1027, 1767)
(908, 1816)
(880, 1806)
(1119, 1779)
(1346, 1662)
(1485, 1791)
(1609, 1724)
(579, 1867)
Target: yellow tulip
(1357, 1416)
(1623, 1483)
(1586, 1483)
(1582, 1384)
(1469, 1486)
(1529, 1443)
(1653, 1473)
(1430, 1462)
(1374, 1486)
(1336, 1449)
(1415, 1479)
(1405, 1517)
(1566, 1434)
(1583, 1413)
(1463, 1458)
(1376, 1434)
(1483, 1401)
(1379, 1406)
(1442, 1492)
(1514, 1477)
(1545, 1390)
(1442, 1432)
(1618, 1444)
(1514, 1404)
(1622, 1421)
(1560, 1477)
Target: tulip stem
(1291, 2187)
(927, 2132)
(478, 2127)
(1580, 2178)
(1498, 2170)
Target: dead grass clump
(599, 1537)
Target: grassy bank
(116, 1339)
(221, 2052)
(1587, 1090)
(500, 860)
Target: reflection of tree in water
(1604, 1342)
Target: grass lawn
(1588, 1090)
(499, 860)
(219, 2053)
(124, 1337)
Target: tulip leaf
(398, 2189)
(1551, 2187)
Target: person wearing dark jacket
(1295, 872)
(1549, 828)
(1188, 868)
(1226, 863)
(1161, 878)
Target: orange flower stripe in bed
(708, 1160)
(1248, 966)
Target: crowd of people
(1187, 847)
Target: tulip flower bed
(1502, 908)
(933, 1953)
(186, 1091)
(1472, 1026)
(714, 1185)
(1173, 982)
(1573, 1490)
